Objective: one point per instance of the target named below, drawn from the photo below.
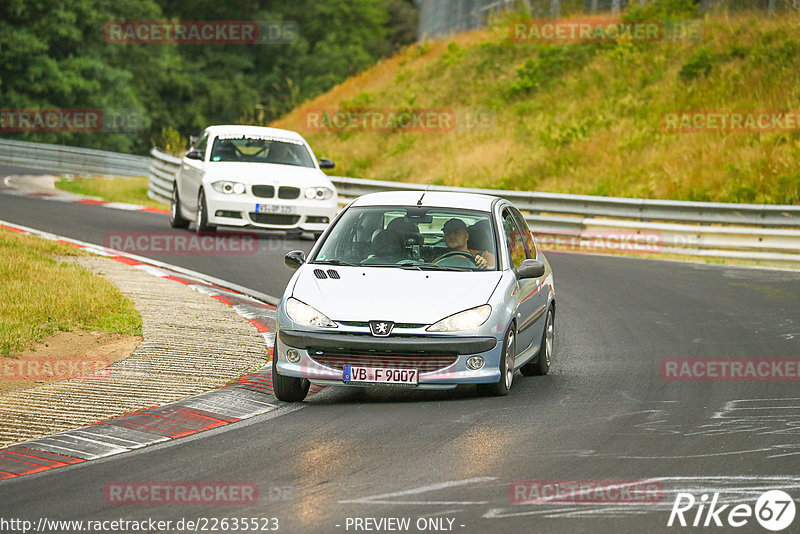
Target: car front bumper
(299, 214)
(422, 348)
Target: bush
(698, 65)
(552, 62)
(171, 142)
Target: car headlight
(304, 314)
(320, 193)
(229, 188)
(465, 320)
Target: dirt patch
(63, 356)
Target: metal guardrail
(71, 159)
(162, 173)
(760, 232)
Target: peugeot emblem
(381, 328)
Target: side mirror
(530, 269)
(195, 154)
(325, 163)
(294, 259)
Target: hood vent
(319, 273)
(333, 274)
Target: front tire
(287, 388)
(541, 364)
(176, 220)
(202, 225)
(503, 386)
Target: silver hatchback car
(427, 290)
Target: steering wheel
(453, 253)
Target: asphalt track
(604, 413)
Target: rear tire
(541, 364)
(287, 388)
(176, 220)
(506, 367)
(202, 226)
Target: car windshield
(260, 150)
(416, 237)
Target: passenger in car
(456, 237)
(387, 247)
(281, 153)
(225, 151)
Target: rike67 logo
(774, 510)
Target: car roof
(234, 129)
(438, 199)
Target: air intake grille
(274, 218)
(288, 193)
(319, 273)
(424, 365)
(264, 191)
(333, 274)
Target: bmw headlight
(466, 320)
(229, 188)
(304, 314)
(320, 193)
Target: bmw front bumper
(296, 214)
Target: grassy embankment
(129, 190)
(40, 295)
(582, 118)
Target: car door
(531, 300)
(192, 171)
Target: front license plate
(380, 375)
(274, 208)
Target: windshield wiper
(434, 267)
(336, 262)
(411, 266)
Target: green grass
(128, 190)
(40, 295)
(583, 118)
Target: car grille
(274, 218)
(264, 191)
(365, 324)
(288, 193)
(394, 361)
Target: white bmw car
(253, 176)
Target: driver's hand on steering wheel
(481, 262)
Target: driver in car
(456, 237)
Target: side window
(201, 144)
(514, 239)
(530, 246)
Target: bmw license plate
(380, 375)
(275, 208)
